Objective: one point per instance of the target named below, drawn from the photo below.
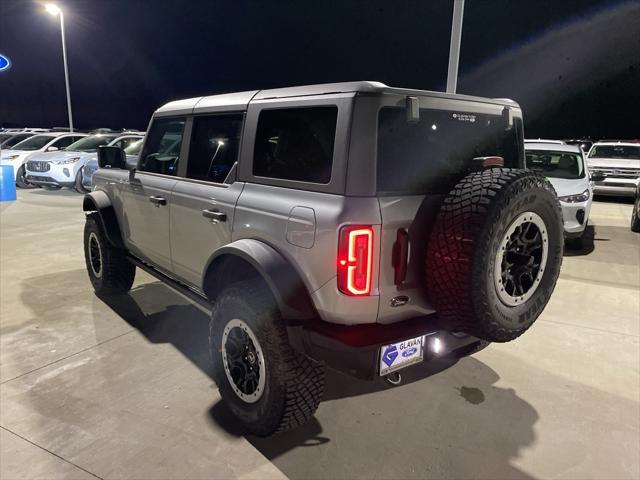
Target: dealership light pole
(55, 10)
(454, 48)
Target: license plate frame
(399, 355)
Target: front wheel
(78, 186)
(268, 386)
(21, 179)
(109, 270)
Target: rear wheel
(268, 386)
(21, 178)
(495, 252)
(109, 270)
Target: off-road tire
(77, 186)
(21, 181)
(294, 383)
(466, 239)
(116, 273)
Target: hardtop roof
(242, 99)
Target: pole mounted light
(54, 10)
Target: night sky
(574, 66)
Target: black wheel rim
(242, 357)
(243, 361)
(521, 260)
(95, 255)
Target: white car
(17, 155)
(566, 169)
(619, 162)
(64, 169)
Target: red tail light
(355, 252)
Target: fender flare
(98, 201)
(283, 280)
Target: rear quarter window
(296, 144)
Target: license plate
(402, 354)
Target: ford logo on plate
(409, 351)
(4, 62)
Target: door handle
(214, 215)
(157, 201)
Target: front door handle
(157, 201)
(215, 215)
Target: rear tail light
(355, 252)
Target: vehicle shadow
(486, 426)
(588, 243)
(178, 322)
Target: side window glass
(296, 144)
(215, 141)
(64, 142)
(125, 142)
(161, 152)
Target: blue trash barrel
(7, 183)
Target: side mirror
(111, 157)
(597, 177)
(52, 149)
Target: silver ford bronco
(353, 225)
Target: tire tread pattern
(118, 273)
(464, 226)
(300, 377)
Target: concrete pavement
(123, 390)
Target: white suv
(64, 169)
(619, 162)
(566, 169)
(17, 155)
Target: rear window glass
(296, 144)
(432, 155)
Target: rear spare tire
(495, 253)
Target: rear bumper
(355, 350)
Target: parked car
(584, 143)
(566, 169)
(619, 162)
(328, 224)
(132, 152)
(63, 169)
(17, 155)
(9, 139)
